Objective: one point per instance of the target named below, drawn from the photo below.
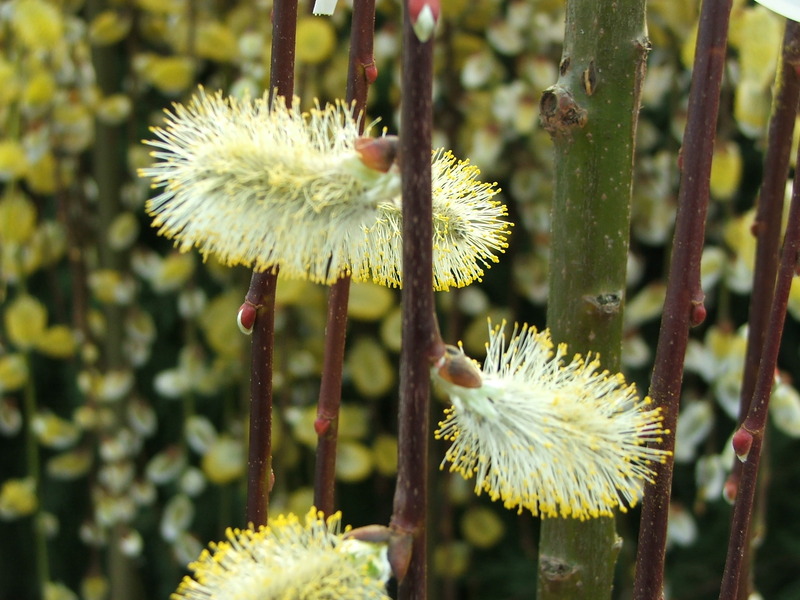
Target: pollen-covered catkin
(258, 183)
(561, 439)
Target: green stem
(591, 114)
(32, 454)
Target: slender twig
(330, 392)
(420, 334)
(767, 229)
(749, 438)
(683, 306)
(261, 295)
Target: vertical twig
(683, 306)
(766, 325)
(421, 342)
(261, 295)
(360, 74)
(767, 229)
(748, 439)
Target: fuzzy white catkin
(266, 185)
(561, 439)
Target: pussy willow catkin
(266, 185)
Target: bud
(324, 7)
(424, 15)
(246, 318)
(742, 441)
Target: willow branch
(330, 392)
(261, 296)
(765, 336)
(683, 306)
(421, 342)
(767, 229)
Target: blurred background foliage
(123, 377)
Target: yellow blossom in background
(70, 465)
(217, 42)
(54, 590)
(316, 39)
(370, 368)
(169, 74)
(354, 461)
(39, 91)
(301, 193)
(25, 320)
(9, 82)
(369, 302)
(114, 109)
(13, 372)
(384, 453)
(289, 559)
(13, 162)
(17, 498)
(53, 431)
(225, 460)
(37, 24)
(95, 587)
(108, 27)
(44, 176)
(123, 231)
(481, 527)
(726, 170)
(562, 439)
(162, 6)
(57, 341)
(17, 218)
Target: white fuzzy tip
(324, 7)
(425, 24)
(787, 8)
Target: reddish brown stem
(420, 334)
(330, 392)
(767, 229)
(259, 460)
(684, 294)
(752, 430)
(262, 295)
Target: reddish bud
(322, 425)
(455, 367)
(730, 489)
(399, 554)
(698, 314)
(742, 442)
(378, 154)
(246, 318)
(371, 72)
(375, 534)
(424, 15)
